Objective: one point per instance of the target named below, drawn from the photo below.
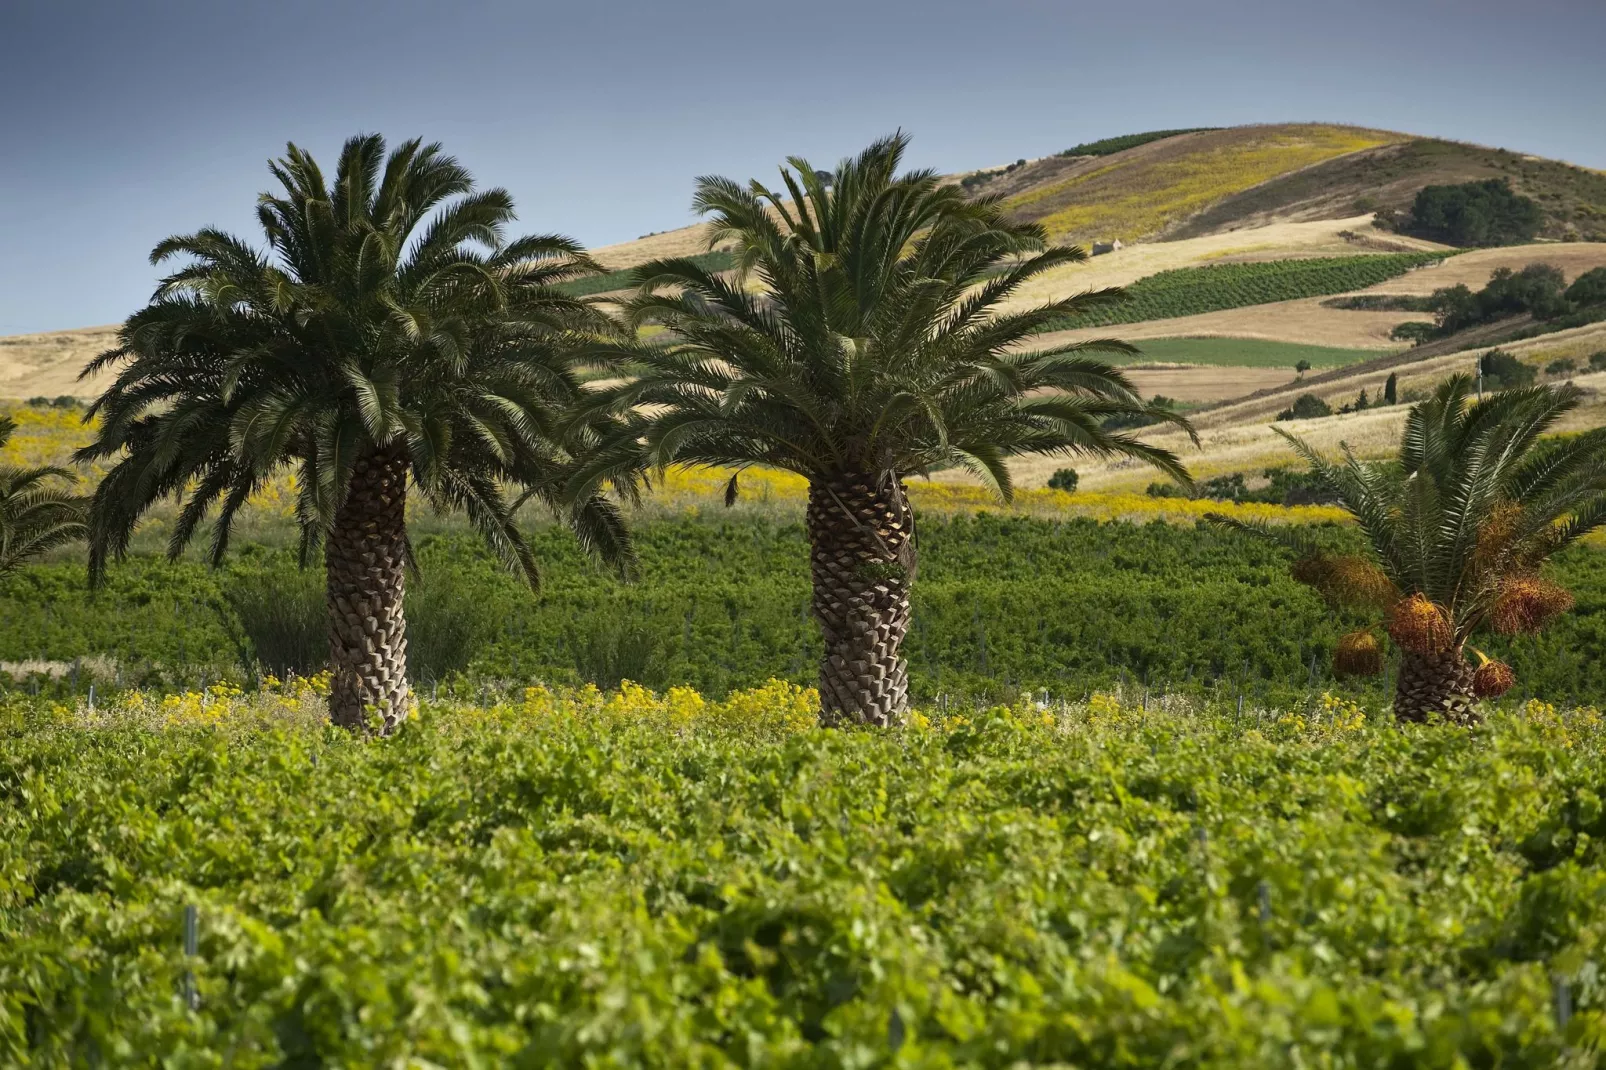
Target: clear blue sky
(124, 122)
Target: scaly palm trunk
(1434, 684)
(862, 562)
(365, 561)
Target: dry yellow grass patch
(1472, 269)
(686, 241)
(48, 364)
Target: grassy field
(1245, 353)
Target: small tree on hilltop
(1458, 526)
(1300, 368)
(872, 349)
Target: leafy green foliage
(1063, 479)
(1475, 213)
(1284, 486)
(1003, 603)
(1190, 291)
(529, 888)
(1109, 146)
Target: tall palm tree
(390, 334)
(1458, 527)
(37, 512)
(872, 349)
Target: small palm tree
(872, 350)
(1458, 527)
(37, 513)
(390, 335)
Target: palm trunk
(862, 562)
(365, 562)
(1434, 684)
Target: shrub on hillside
(1503, 371)
(1306, 407)
(1414, 331)
(1597, 361)
(1474, 213)
(1123, 421)
(1063, 479)
(1588, 289)
(1564, 366)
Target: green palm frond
(38, 511)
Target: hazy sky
(124, 121)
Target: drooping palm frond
(862, 330)
(38, 511)
(388, 306)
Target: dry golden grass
(686, 241)
(48, 364)
(1239, 438)
(1473, 268)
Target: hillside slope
(1387, 177)
(1141, 192)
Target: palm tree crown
(390, 331)
(37, 512)
(874, 341)
(873, 347)
(1459, 526)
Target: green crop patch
(566, 881)
(1003, 604)
(1245, 353)
(1194, 290)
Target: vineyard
(1004, 604)
(1191, 291)
(570, 879)
(1109, 146)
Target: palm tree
(36, 513)
(390, 334)
(873, 349)
(1458, 527)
